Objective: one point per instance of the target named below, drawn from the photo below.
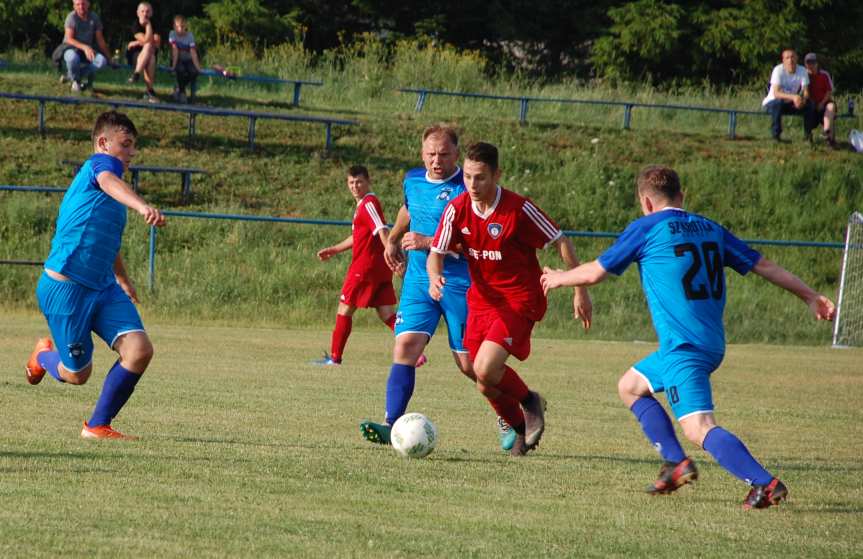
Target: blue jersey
(425, 200)
(681, 259)
(89, 227)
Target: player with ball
(500, 232)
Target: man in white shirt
(789, 94)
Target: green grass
(266, 274)
(247, 450)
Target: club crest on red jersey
(495, 229)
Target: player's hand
(152, 216)
(325, 253)
(582, 307)
(89, 52)
(436, 284)
(416, 241)
(131, 45)
(822, 307)
(550, 279)
(798, 101)
(394, 257)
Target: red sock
(509, 409)
(340, 336)
(512, 385)
(391, 322)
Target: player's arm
(434, 267)
(123, 279)
(393, 254)
(327, 253)
(119, 190)
(581, 303)
(585, 274)
(821, 306)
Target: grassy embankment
(576, 163)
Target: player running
(84, 287)
(427, 191)
(369, 280)
(681, 259)
(500, 232)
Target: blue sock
(50, 360)
(733, 455)
(119, 385)
(400, 388)
(658, 428)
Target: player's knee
(77, 378)
(137, 354)
(628, 388)
(696, 431)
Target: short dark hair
(358, 171)
(483, 152)
(659, 179)
(113, 119)
(444, 129)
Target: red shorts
(357, 291)
(507, 329)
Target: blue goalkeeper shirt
(681, 259)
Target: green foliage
(249, 22)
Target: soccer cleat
(35, 371)
(326, 361)
(421, 360)
(76, 87)
(673, 476)
(534, 418)
(519, 446)
(763, 496)
(506, 434)
(104, 432)
(378, 433)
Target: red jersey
(500, 246)
(367, 255)
(819, 86)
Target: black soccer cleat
(519, 447)
(673, 476)
(763, 496)
(534, 418)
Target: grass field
(247, 450)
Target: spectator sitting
(789, 94)
(821, 93)
(184, 59)
(82, 32)
(141, 52)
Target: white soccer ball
(413, 435)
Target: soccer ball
(413, 435)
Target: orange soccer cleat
(104, 432)
(34, 370)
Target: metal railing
(628, 106)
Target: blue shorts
(683, 374)
(419, 313)
(73, 311)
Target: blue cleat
(506, 434)
(326, 361)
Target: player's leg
(341, 333)
(636, 388)
(455, 311)
(416, 321)
(117, 322)
(68, 308)
(499, 335)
